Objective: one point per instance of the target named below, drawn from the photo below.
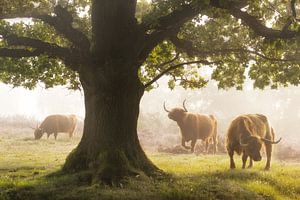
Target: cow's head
(38, 133)
(252, 146)
(176, 114)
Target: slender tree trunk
(110, 147)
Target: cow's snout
(171, 116)
(258, 158)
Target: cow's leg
(193, 145)
(48, 134)
(232, 164)
(215, 144)
(244, 159)
(183, 144)
(55, 135)
(268, 152)
(206, 145)
(251, 163)
(70, 134)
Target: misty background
(155, 128)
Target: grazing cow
(247, 134)
(194, 126)
(54, 124)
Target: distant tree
(115, 50)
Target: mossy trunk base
(109, 147)
(111, 167)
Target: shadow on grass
(215, 185)
(50, 186)
(237, 181)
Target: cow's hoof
(267, 168)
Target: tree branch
(167, 25)
(62, 23)
(18, 53)
(259, 28)
(32, 14)
(187, 46)
(69, 56)
(253, 22)
(173, 67)
(174, 18)
(293, 8)
(52, 50)
(167, 62)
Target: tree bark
(109, 146)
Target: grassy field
(27, 172)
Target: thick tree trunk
(110, 147)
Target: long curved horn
(165, 107)
(183, 104)
(270, 141)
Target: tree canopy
(41, 46)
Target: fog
(281, 106)
(40, 102)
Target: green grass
(27, 171)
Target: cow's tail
(272, 134)
(214, 137)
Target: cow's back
(258, 124)
(58, 123)
(198, 126)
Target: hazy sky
(40, 102)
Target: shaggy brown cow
(54, 124)
(247, 134)
(194, 126)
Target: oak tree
(115, 50)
